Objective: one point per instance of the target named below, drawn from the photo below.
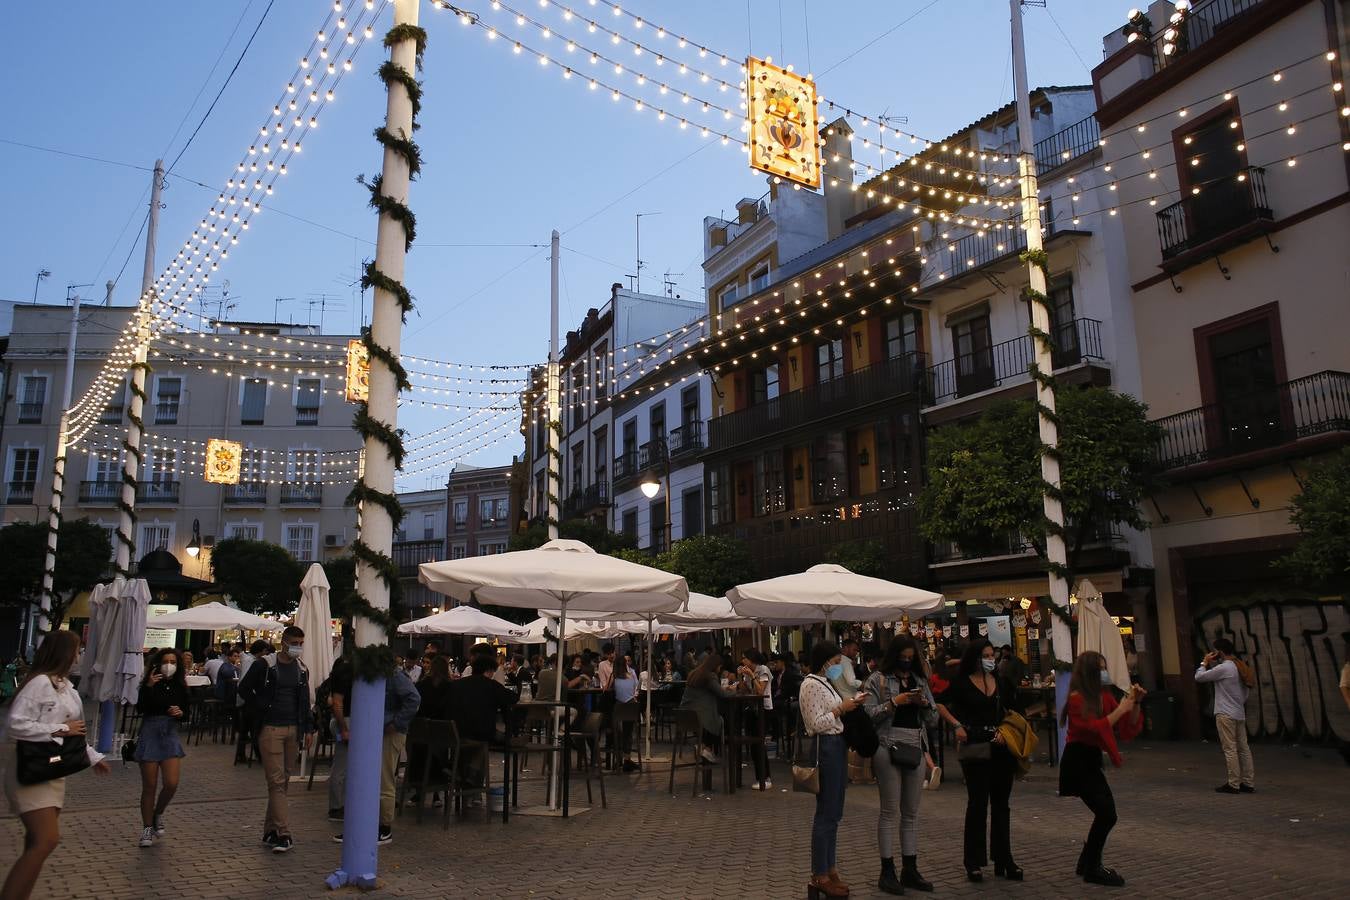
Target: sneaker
(159, 826)
(934, 779)
(337, 838)
(147, 837)
(386, 835)
(335, 815)
(767, 785)
(1246, 789)
(283, 844)
(708, 755)
(1226, 789)
(270, 839)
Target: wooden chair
(688, 733)
(585, 741)
(433, 751)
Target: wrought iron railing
(30, 413)
(1067, 144)
(1201, 23)
(1314, 404)
(20, 492)
(686, 439)
(408, 555)
(626, 465)
(584, 500)
(1220, 208)
(302, 492)
(166, 413)
(1014, 543)
(112, 415)
(245, 492)
(157, 491)
(100, 492)
(982, 370)
(307, 415)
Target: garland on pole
(128, 509)
(376, 661)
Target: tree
(82, 552)
(861, 558)
(985, 477)
(341, 573)
(594, 534)
(711, 564)
(1321, 513)
(259, 576)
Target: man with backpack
(278, 687)
(1232, 679)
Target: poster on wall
(999, 630)
(159, 637)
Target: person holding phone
(1095, 721)
(822, 711)
(162, 703)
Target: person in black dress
(974, 705)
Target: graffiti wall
(1297, 648)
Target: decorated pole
(1042, 366)
(554, 402)
(376, 421)
(59, 474)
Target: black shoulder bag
(40, 761)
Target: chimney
(839, 199)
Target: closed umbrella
(316, 620)
(1098, 631)
(826, 592)
(214, 616)
(467, 620)
(133, 604)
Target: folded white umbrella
(827, 592)
(315, 618)
(215, 616)
(467, 620)
(133, 605)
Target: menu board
(159, 637)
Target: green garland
(372, 428)
(364, 493)
(411, 153)
(407, 32)
(373, 277)
(392, 208)
(391, 72)
(389, 360)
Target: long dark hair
(1086, 680)
(821, 654)
(179, 676)
(439, 670)
(970, 660)
(620, 667)
(706, 670)
(890, 661)
(55, 656)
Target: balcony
(1224, 214)
(245, 493)
(889, 380)
(408, 555)
(1067, 144)
(1205, 20)
(983, 370)
(20, 492)
(100, 493)
(1263, 421)
(111, 415)
(686, 439)
(166, 413)
(30, 413)
(1011, 543)
(304, 492)
(306, 415)
(159, 493)
(626, 466)
(592, 498)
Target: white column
(554, 413)
(59, 473)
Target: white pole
(559, 711)
(1061, 639)
(554, 414)
(131, 463)
(59, 473)
(651, 685)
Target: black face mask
(905, 665)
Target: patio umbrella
(101, 612)
(316, 620)
(705, 613)
(565, 574)
(216, 616)
(826, 592)
(467, 620)
(123, 680)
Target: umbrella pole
(651, 684)
(558, 711)
(107, 717)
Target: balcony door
(973, 347)
(1208, 164)
(1063, 328)
(1245, 371)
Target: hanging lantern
(223, 461)
(358, 371)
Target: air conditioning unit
(332, 540)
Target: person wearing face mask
(1095, 721)
(899, 702)
(162, 702)
(974, 705)
(822, 711)
(279, 687)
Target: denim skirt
(158, 740)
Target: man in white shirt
(1222, 669)
(213, 663)
(605, 671)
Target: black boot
(910, 877)
(888, 883)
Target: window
(540, 436)
(770, 488)
(630, 523)
(601, 371)
(718, 479)
(764, 385)
(578, 466)
(302, 466)
(308, 391)
(299, 540)
(578, 396)
(253, 401)
(106, 465)
(1063, 329)
(163, 465)
(457, 551)
(251, 466)
(23, 473)
(689, 408)
(540, 494)
(244, 530)
(428, 526)
(1244, 374)
(829, 360)
(112, 412)
(691, 512)
(32, 398)
(168, 393)
(974, 354)
(656, 421)
(154, 537)
(656, 525)
(902, 335)
(1210, 155)
(726, 297)
(493, 512)
(601, 455)
(884, 433)
(460, 513)
(630, 441)
(111, 532)
(491, 549)
(829, 467)
(759, 278)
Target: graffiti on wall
(1297, 649)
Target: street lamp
(651, 486)
(194, 546)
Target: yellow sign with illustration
(223, 460)
(782, 112)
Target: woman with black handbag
(822, 711)
(974, 705)
(163, 702)
(46, 730)
(898, 700)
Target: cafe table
(736, 707)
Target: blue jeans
(833, 769)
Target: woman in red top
(1095, 721)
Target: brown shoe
(838, 882)
(821, 885)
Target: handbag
(39, 761)
(905, 756)
(859, 733)
(981, 752)
(806, 773)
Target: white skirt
(25, 798)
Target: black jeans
(1103, 806)
(988, 787)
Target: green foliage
(341, 573)
(861, 558)
(641, 557)
(1321, 513)
(259, 576)
(82, 552)
(984, 476)
(594, 534)
(709, 563)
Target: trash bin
(1160, 715)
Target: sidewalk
(1176, 837)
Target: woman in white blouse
(45, 708)
(822, 709)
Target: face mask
(906, 665)
(295, 650)
(168, 669)
(987, 664)
(1106, 678)
(834, 671)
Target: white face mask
(295, 650)
(167, 669)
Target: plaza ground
(1176, 837)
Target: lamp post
(194, 546)
(651, 487)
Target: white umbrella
(315, 619)
(98, 612)
(215, 616)
(704, 613)
(826, 592)
(124, 678)
(467, 620)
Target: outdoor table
(196, 680)
(510, 751)
(736, 706)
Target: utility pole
(1061, 637)
(108, 292)
(554, 412)
(131, 461)
(59, 474)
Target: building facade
(420, 538)
(481, 519)
(1227, 133)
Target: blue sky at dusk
(511, 149)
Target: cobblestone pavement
(1176, 838)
